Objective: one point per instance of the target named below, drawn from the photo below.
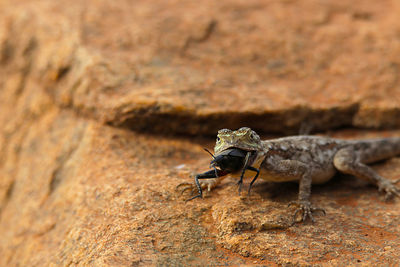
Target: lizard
(305, 159)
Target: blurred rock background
(105, 107)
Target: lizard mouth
(232, 160)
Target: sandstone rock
(79, 187)
(260, 63)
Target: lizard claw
(304, 208)
(390, 189)
(186, 187)
(208, 185)
(396, 181)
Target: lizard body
(304, 159)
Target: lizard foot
(304, 208)
(390, 188)
(183, 187)
(205, 184)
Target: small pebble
(180, 166)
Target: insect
(229, 161)
(304, 159)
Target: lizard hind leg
(348, 161)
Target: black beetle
(229, 161)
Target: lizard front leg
(208, 185)
(293, 170)
(214, 175)
(303, 201)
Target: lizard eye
(253, 136)
(218, 139)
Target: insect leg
(205, 175)
(216, 172)
(255, 177)
(246, 160)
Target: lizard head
(243, 138)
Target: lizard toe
(390, 189)
(306, 211)
(396, 181)
(183, 187)
(391, 193)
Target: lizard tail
(374, 150)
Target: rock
(79, 187)
(332, 66)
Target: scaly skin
(310, 159)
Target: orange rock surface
(105, 107)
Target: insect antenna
(212, 165)
(209, 152)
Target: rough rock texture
(79, 187)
